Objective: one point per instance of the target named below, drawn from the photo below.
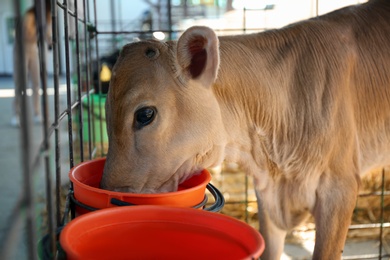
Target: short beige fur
(305, 110)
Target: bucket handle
(218, 197)
(80, 204)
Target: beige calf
(304, 109)
(31, 62)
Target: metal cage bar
(24, 210)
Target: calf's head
(164, 122)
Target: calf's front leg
(273, 236)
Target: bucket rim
(177, 214)
(75, 181)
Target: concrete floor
(11, 185)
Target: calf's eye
(144, 116)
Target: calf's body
(305, 110)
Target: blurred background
(144, 16)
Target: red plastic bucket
(159, 232)
(88, 196)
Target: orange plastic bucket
(88, 196)
(159, 232)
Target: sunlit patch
(10, 93)
(159, 35)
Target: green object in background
(10, 21)
(98, 118)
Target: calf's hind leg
(335, 201)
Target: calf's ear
(198, 54)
